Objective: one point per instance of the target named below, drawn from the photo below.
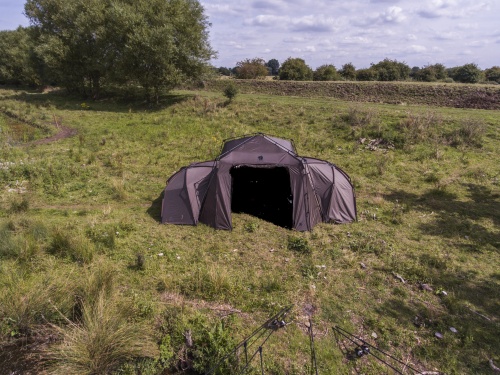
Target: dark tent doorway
(264, 192)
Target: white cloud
(355, 40)
(451, 9)
(267, 20)
(393, 14)
(411, 37)
(313, 23)
(417, 48)
(295, 39)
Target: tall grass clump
(102, 340)
(419, 128)
(210, 282)
(469, 133)
(18, 206)
(28, 301)
(358, 117)
(77, 247)
(8, 245)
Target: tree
(493, 74)
(224, 71)
(468, 73)
(156, 43)
(366, 74)
(295, 69)
(391, 70)
(18, 63)
(274, 65)
(348, 72)
(430, 73)
(251, 69)
(326, 73)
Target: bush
(230, 91)
(213, 344)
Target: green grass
(76, 213)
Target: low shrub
(230, 91)
(298, 244)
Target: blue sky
(451, 32)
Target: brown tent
(262, 176)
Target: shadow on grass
(23, 355)
(155, 209)
(118, 101)
(456, 218)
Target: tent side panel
(343, 208)
(176, 208)
(216, 208)
(197, 182)
(301, 219)
(322, 179)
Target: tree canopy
(468, 73)
(326, 73)
(348, 71)
(18, 62)
(156, 43)
(274, 65)
(391, 70)
(251, 69)
(295, 69)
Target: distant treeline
(296, 69)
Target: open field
(87, 272)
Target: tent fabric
(202, 192)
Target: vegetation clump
(230, 91)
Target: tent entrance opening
(264, 192)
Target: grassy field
(456, 95)
(92, 283)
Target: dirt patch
(64, 132)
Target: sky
(419, 33)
